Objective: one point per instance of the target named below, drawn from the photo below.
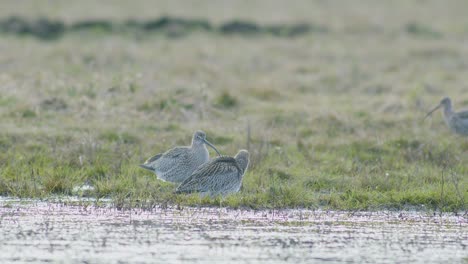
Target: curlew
(220, 176)
(456, 121)
(177, 164)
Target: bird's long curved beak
(211, 145)
(432, 111)
(146, 167)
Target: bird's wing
(165, 161)
(210, 175)
(176, 153)
(171, 158)
(463, 114)
(155, 157)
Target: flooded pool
(52, 232)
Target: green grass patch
(358, 176)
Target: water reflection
(36, 231)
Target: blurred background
(328, 96)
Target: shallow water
(35, 231)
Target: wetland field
(328, 97)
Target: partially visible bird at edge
(177, 164)
(220, 176)
(456, 121)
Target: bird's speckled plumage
(177, 164)
(220, 176)
(456, 121)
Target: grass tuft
(226, 100)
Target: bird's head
(446, 103)
(242, 158)
(199, 138)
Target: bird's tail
(146, 167)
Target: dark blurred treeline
(49, 29)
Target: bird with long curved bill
(456, 121)
(177, 164)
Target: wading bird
(220, 176)
(177, 164)
(456, 121)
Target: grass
(334, 117)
